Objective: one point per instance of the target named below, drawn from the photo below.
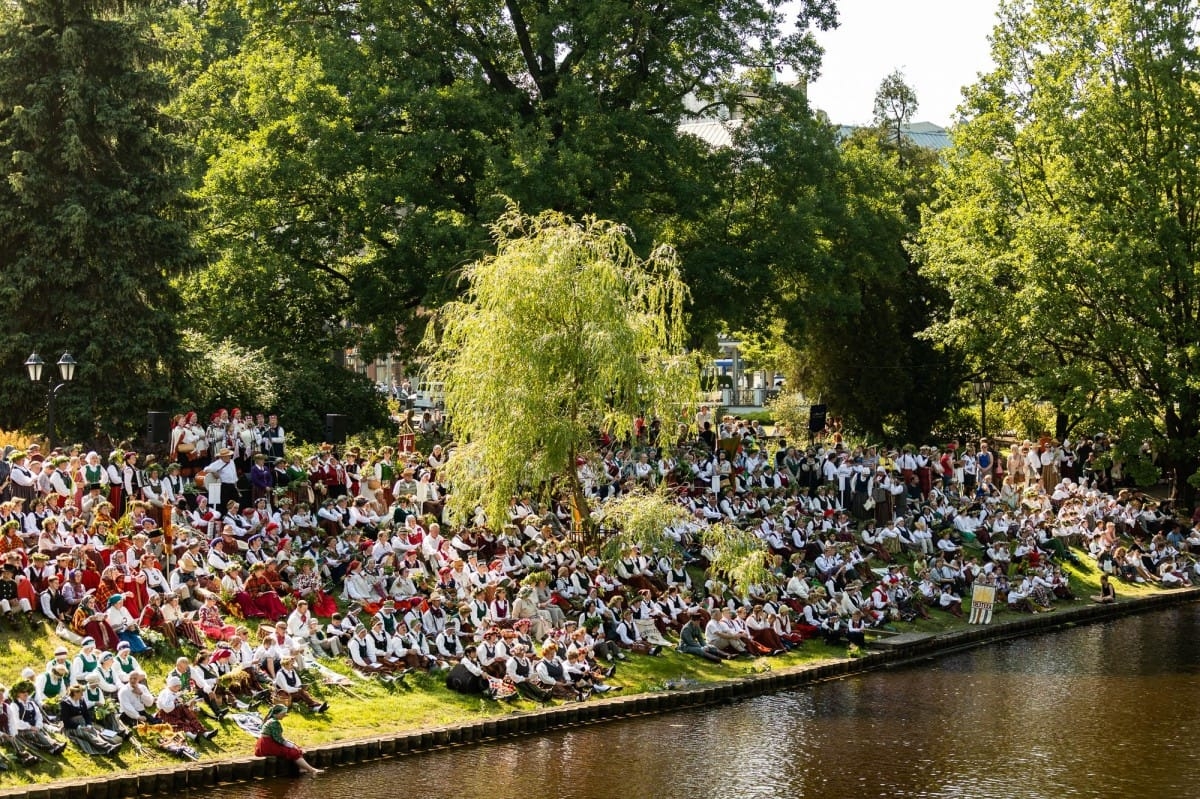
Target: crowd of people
(266, 568)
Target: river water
(1108, 710)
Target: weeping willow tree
(562, 333)
(642, 518)
(739, 558)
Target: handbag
(185, 447)
(870, 503)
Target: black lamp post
(66, 370)
(983, 389)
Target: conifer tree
(88, 229)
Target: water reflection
(1105, 710)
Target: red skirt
(269, 747)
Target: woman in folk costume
(125, 624)
(271, 742)
(177, 709)
(93, 625)
(308, 586)
(263, 593)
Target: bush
(790, 411)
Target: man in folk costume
(223, 474)
(115, 479)
(62, 487)
(24, 484)
(192, 680)
(288, 682)
(173, 485)
(274, 438)
(153, 493)
(131, 482)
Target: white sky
(940, 45)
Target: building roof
(922, 134)
(718, 133)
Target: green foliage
(563, 332)
(639, 518)
(225, 374)
(349, 161)
(1065, 231)
(790, 411)
(1028, 419)
(739, 557)
(89, 214)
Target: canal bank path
(890, 652)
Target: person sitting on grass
(79, 724)
(271, 742)
(950, 602)
(26, 723)
(693, 642)
(288, 682)
(1107, 595)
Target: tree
(1066, 230)
(90, 213)
(355, 153)
(563, 332)
(819, 231)
(895, 106)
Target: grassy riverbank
(370, 709)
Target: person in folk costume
(279, 482)
(124, 624)
(308, 585)
(240, 438)
(273, 438)
(223, 477)
(16, 603)
(521, 673)
(271, 742)
(263, 593)
(93, 474)
(131, 482)
(23, 484)
(136, 702)
(288, 682)
(58, 479)
(261, 480)
(176, 709)
(551, 675)
(352, 467)
(194, 681)
(27, 723)
(366, 657)
(214, 433)
(154, 493)
(333, 476)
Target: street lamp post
(34, 365)
(983, 389)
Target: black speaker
(816, 418)
(158, 427)
(335, 428)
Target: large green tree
(1068, 228)
(90, 226)
(351, 157)
(814, 232)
